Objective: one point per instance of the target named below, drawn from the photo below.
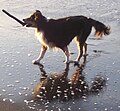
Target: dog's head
(32, 21)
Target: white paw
(66, 62)
(35, 61)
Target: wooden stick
(22, 23)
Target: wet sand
(18, 47)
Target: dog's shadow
(59, 86)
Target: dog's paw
(66, 62)
(76, 63)
(36, 62)
(84, 55)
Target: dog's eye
(32, 17)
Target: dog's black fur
(60, 32)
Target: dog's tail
(100, 28)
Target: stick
(22, 23)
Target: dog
(58, 33)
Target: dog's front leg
(66, 52)
(41, 55)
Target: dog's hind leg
(80, 52)
(66, 52)
(85, 49)
(84, 53)
(41, 55)
(80, 49)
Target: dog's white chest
(43, 40)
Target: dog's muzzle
(26, 23)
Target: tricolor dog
(60, 32)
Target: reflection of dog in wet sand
(60, 32)
(59, 86)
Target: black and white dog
(60, 32)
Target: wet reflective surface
(52, 86)
(59, 86)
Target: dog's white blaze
(43, 40)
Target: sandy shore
(18, 47)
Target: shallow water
(18, 47)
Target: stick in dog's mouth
(19, 21)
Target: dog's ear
(38, 14)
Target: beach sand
(19, 46)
